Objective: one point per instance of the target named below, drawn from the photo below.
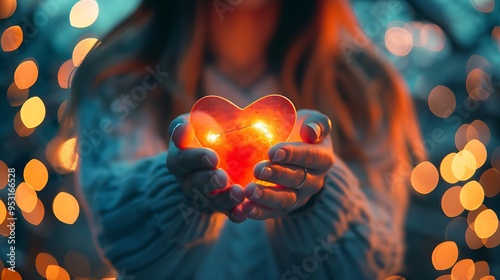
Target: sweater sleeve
(143, 222)
(343, 233)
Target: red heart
(242, 137)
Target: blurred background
(447, 50)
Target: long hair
(315, 54)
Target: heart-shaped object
(242, 137)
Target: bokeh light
(450, 202)
(82, 49)
(12, 38)
(482, 269)
(26, 74)
(432, 37)
(463, 270)
(16, 96)
(424, 177)
(10, 275)
(471, 195)
(478, 85)
(442, 101)
(493, 241)
(20, 128)
(478, 130)
(55, 272)
(43, 261)
(3, 212)
(463, 165)
(461, 136)
(446, 169)
(445, 255)
(7, 8)
(36, 174)
(35, 217)
(4, 175)
(472, 240)
(84, 13)
(33, 112)
(398, 41)
(485, 6)
(490, 180)
(65, 74)
(26, 197)
(66, 208)
(478, 151)
(67, 155)
(486, 223)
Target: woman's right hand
(196, 170)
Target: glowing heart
(242, 137)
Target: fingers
(312, 157)
(222, 200)
(315, 126)
(205, 181)
(259, 212)
(182, 162)
(289, 176)
(236, 215)
(271, 197)
(181, 132)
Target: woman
(324, 221)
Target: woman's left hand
(296, 169)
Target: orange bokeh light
(4, 175)
(36, 216)
(42, 262)
(424, 177)
(442, 101)
(82, 49)
(12, 38)
(398, 41)
(66, 208)
(445, 255)
(16, 96)
(36, 174)
(26, 74)
(486, 223)
(84, 13)
(463, 270)
(471, 195)
(450, 202)
(33, 112)
(65, 74)
(490, 181)
(7, 8)
(26, 197)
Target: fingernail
(206, 161)
(266, 173)
(231, 196)
(216, 180)
(175, 127)
(316, 129)
(257, 193)
(234, 217)
(253, 211)
(279, 155)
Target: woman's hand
(296, 169)
(196, 170)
